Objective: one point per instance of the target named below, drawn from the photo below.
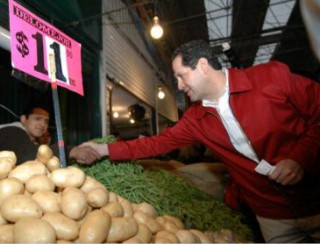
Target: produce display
(43, 203)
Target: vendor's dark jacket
(280, 114)
(13, 137)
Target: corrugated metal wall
(125, 57)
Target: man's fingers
(85, 144)
(287, 178)
(87, 155)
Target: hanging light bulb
(161, 93)
(156, 30)
(132, 121)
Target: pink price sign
(33, 40)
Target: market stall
(107, 202)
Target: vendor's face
(37, 123)
(189, 80)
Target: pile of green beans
(168, 193)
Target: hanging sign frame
(32, 42)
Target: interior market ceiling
(243, 32)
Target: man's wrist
(103, 150)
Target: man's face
(190, 81)
(37, 123)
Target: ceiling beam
(248, 19)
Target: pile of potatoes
(41, 202)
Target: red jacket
(280, 113)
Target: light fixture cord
(155, 12)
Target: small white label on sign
(264, 168)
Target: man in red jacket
(263, 123)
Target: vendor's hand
(84, 155)
(287, 172)
(101, 149)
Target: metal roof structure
(220, 16)
(243, 32)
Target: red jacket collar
(238, 82)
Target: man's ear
(203, 65)
(23, 119)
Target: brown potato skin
(146, 208)
(185, 236)
(97, 197)
(164, 236)
(149, 221)
(39, 183)
(115, 209)
(44, 153)
(95, 227)
(5, 167)
(49, 201)
(53, 164)
(33, 230)
(20, 206)
(90, 183)
(144, 234)
(66, 228)
(9, 187)
(24, 171)
(69, 176)
(6, 233)
(122, 228)
(73, 203)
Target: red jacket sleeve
(170, 139)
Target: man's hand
(84, 155)
(101, 149)
(287, 172)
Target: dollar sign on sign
(22, 47)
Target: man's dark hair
(192, 51)
(31, 106)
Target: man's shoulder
(195, 106)
(269, 67)
(195, 110)
(262, 72)
(15, 126)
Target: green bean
(168, 193)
